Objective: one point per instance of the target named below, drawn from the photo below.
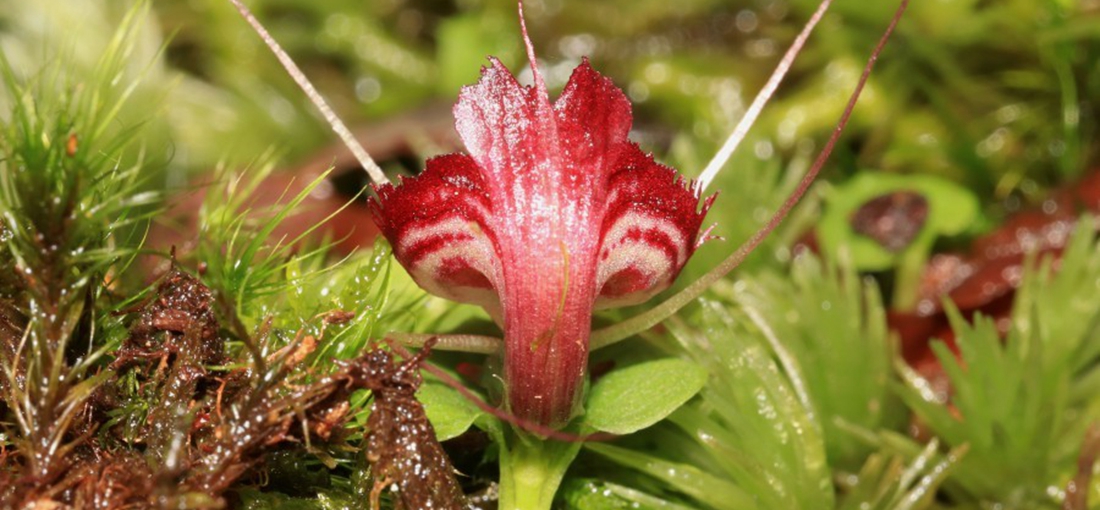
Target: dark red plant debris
(254, 411)
(169, 429)
(401, 447)
(12, 324)
(38, 406)
(182, 306)
(293, 472)
(892, 220)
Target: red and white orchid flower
(552, 214)
(555, 213)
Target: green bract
(450, 413)
(636, 397)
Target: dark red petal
(592, 122)
(548, 197)
(439, 226)
(650, 229)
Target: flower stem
(531, 469)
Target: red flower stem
(540, 84)
(625, 329)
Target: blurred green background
(999, 96)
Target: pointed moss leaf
(449, 412)
(638, 396)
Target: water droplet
(638, 92)
(747, 21)
(368, 89)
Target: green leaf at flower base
(951, 210)
(449, 412)
(638, 396)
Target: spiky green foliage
(252, 268)
(72, 205)
(754, 438)
(800, 368)
(758, 419)
(829, 326)
(1022, 406)
(887, 483)
(260, 273)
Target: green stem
(531, 469)
(908, 275)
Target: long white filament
(738, 135)
(357, 150)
